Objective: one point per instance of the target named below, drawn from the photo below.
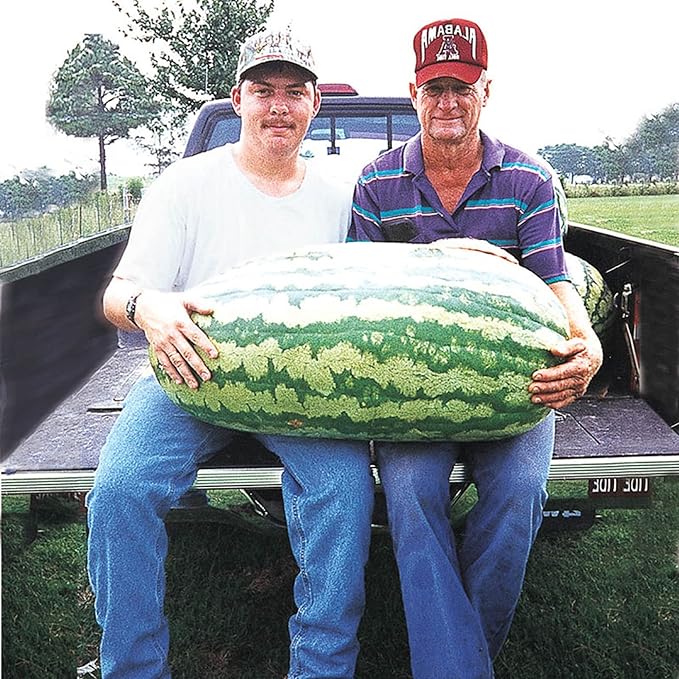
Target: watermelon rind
(384, 341)
(595, 293)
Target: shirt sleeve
(153, 255)
(365, 213)
(540, 238)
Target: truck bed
(613, 436)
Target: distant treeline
(34, 192)
(601, 190)
(650, 154)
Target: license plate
(637, 486)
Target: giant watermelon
(386, 341)
(595, 293)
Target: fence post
(127, 208)
(16, 240)
(34, 242)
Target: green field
(598, 604)
(651, 217)
(24, 239)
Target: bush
(135, 186)
(628, 189)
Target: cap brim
(467, 73)
(275, 58)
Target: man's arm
(164, 318)
(560, 385)
(365, 217)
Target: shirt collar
(493, 153)
(413, 161)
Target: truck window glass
(343, 144)
(225, 131)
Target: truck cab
(348, 132)
(65, 370)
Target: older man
(454, 181)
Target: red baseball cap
(451, 48)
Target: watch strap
(131, 308)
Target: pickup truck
(65, 371)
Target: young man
(454, 181)
(203, 215)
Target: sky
(568, 72)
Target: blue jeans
(459, 599)
(149, 461)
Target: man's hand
(560, 385)
(164, 318)
(475, 244)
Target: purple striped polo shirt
(510, 202)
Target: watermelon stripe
(317, 374)
(381, 341)
(281, 312)
(242, 408)
(594, 291)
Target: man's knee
(413, 478)
(125, 486)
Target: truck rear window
(343, 144)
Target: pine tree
(99, 93)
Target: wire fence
(31, 237)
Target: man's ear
(413, 94)
(486, 91)
(317, 100)
(235, 99)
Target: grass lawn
(650, 217)
(601, 603)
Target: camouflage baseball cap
(274, 45)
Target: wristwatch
(131, 308)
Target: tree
(654, 146)
(570, 159)
(34, 191)
(650, 153)
(99, 93)
(194, 52)
(612, 159)
(160, 139)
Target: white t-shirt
(203, 216)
